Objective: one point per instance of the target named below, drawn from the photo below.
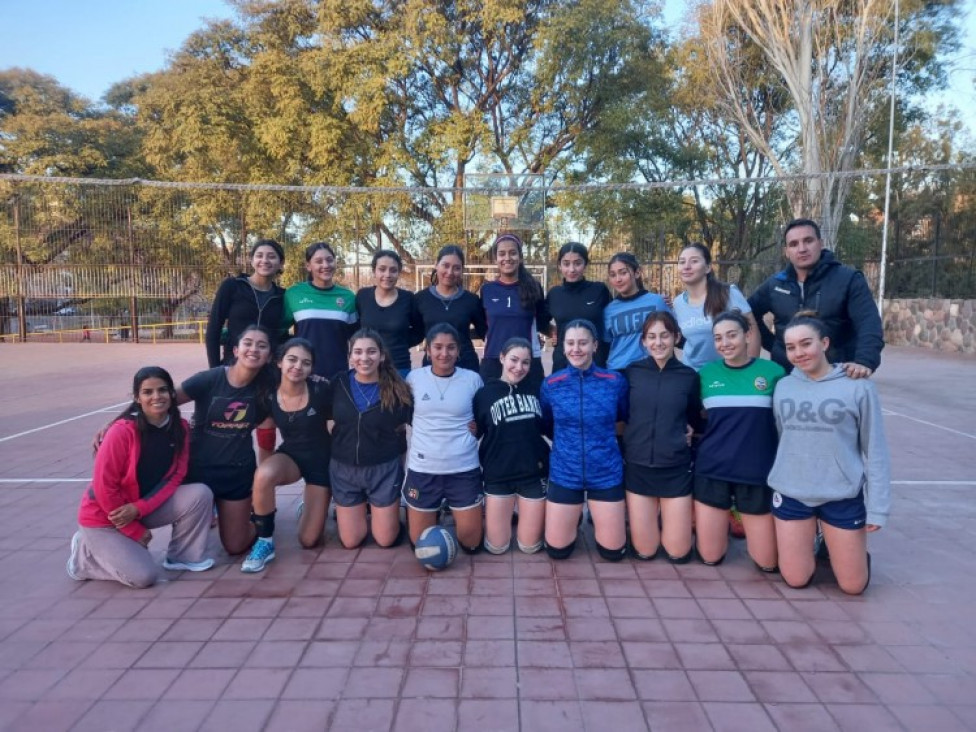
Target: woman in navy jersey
(390, 310)
(624, 317)
(446, 301)
(738, 447)
(301, 409)
(515, 307)
(514, 456)
(576, 298)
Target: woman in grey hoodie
(832, 462)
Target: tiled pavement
(367, 640)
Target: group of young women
(659, 448)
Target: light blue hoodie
(832, 443)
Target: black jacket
(842, 299)
(663, 402)
(238, 305)
(365, 438)
(571, 300)
(510, 426)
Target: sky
(88, 45)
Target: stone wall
(945, 325)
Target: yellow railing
(182, 330)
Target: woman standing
(137, 485)
(446, 301)
(390, 310)
(514, 456)
(583, 404)
(576, 298)
(624, 317)
(301, 410)
(665, 402)
(229, 402)
(704, 298)
(372, 408)
(738, 447)
(515, 307)
(322, 312)
(245, 300)
(832, 463)
(442, 463)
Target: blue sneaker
(261, 553)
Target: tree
(833, 57)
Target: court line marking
(63, 421)
(930, 424)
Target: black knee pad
(684, 559)
(707, 563)
(801, 586)
(561, 552)
(265, 524)
(470, 549)
(611, 555)
(644, 557)
(767, 570)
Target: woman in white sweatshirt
(832, 462)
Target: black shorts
(575, 497)
(530, 490)
(754, 500)
(354, 485)
(672, 482)
(313, 468)
(491, 368)
(425, 491)
(848, 513)
(230, 483)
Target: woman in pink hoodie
(136, 487)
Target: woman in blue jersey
(738, 447)
(832, 463)
(442, 462)
(624, 317)
(301, 410)
(390, 310)
(583, 404)
(322, 312)
(576, 298)
(515, 307)
(705, 297)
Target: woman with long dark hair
(301, 409)
(446, 301)
(576, 298)
(322, 311)
(624, 317)
(515, 307)
(372, 406)
(254, 299)
(703, 299)
(138, 485)
(389, 310)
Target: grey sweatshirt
(832, 443)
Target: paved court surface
(366, 640)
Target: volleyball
(436, 548)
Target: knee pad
(264, 523)
(767, 570)
(644, 557)
(470, 549)
(611, 555)
(803, 585)
(685, 558)
(492, 549)
(561, 552)
(707, 563)
(529, 548)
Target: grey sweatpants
(108, 554)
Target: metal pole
(891, 145)
(21, 300)
(133, 308)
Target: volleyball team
(659, 447)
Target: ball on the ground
(436, 548)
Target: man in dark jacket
(815, 280)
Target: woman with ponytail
(705, 296)
(577, 298)
(515, 307)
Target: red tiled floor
(479, 715)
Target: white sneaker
(72, 565)
(201, 566)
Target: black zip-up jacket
(571, 300)
(843, 301)
(372, 437)
(510, 426)
(237, 304)
(663, 402)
